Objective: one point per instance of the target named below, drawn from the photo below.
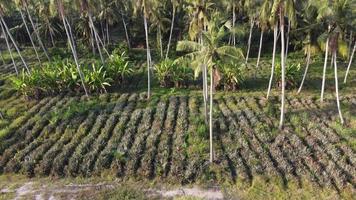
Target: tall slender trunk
(350, 43)
(259, 49)
(75, 56)
(2, 58)
(331, 61)
(287, 43)
(148, 59)
(306, 70)
(337, 89)
(92, 39)
(324, 69)
(160, 41)
(281, 122)
(126, 32)
(273, 58)
(98, 37)
(107, 32)
(211, 116)
(233, 25)
(349, 66)
(37, 34)
(14, 43)
(103, 32)
(171, 32)
(91, 24)
(29, 35)
(249, 40)
(9, 49)
(52, 40)
(71, 36)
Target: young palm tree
(210, 53)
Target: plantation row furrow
(242, 167)
(62, 158)
(222, 154)
(274, 151)
(197, 141)
(179, 156)
(88, 162)
(75, 161)
(130, 137)
(317, 157)
(20, 133)
(36, 134)
(255, 159)
(164, 149)
(134, 149)
(149, 119)
(107, 155)
(25, 121)
(152, 140)
(44, 168)
(332, 135)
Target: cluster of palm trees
(321, 25)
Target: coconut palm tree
(284, 8)
(263, 23)
(210, 53)
(20, 6)
(61, 11)
(175, 6)
(199, 11)
(5, 6)
(107, 13)
(25, 5)
(145, 6)
(311, 27)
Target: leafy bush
(119, 67)
(62, 76)
(292, 74)
(232, 76)
(169, 73)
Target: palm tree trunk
(126, 32)
(331, 61)
(259, 50)
(29, 35)
(103, 32)
(92, 39)
(349, 66)
(52, 40)
(249, 40)
(324, 69)
(91, 24)
(36, 33)
(9, 49)
(74, 53)
(160, 41)
(233, 26)
(107, 32)
(281, 122)
(306, 70)
(337, 89)
(97, 37)
(14, 43)
(171, 32)
(287, 44)
(211, 116)
(2, 58)
(148, 60)
(350, 43)
(71, 36)
(273, 59)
